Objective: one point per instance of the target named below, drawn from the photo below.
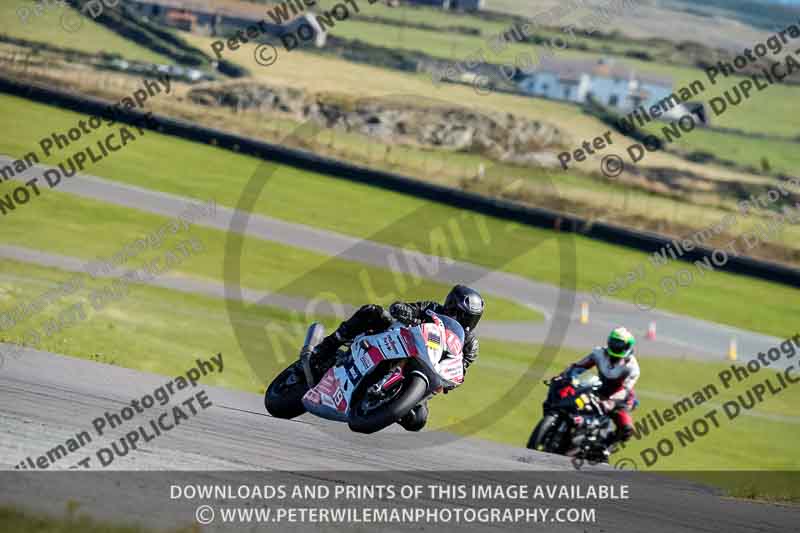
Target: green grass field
(176, 166)
(265, 265)
(73, 521)
(782, 156)
(500, 400)
(173, 327)
(443, 20)
(91, 37)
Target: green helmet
(620, 343)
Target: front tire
(414, 388)
(284, 396)
(541, 438)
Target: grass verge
(19, 521)
(179, 167)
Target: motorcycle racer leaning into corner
(618, 371)
(463, 304)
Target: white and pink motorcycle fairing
(389, 373)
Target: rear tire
(414, 390)
(284, 396)
(540, 440)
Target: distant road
(677, 335)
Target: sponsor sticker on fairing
(454, 345)
(375, 355)
(366, 362)
(390, 345)
(452, 370)
(434, 341)
(408, 341)
(328, 384)
(313, 396)
(338, 400)
(353, 373)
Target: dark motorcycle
(574, 423)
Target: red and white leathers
(618, 376)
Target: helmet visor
(618, 347)
(467, 320)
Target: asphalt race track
(48, 398)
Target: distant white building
(609, 83)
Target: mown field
(780, 155)
(265, 265)
(90, 37)
(73, 521)
(179, 167)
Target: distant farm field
(48, 27)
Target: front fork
(387, 383)
(314, 336)
(305, 362)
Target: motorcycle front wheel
(369, 416)
(284, 396)
(541, 438)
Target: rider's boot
(324, 355)
(617, 439)
(416, 419)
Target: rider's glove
(608, 405)
(403, 312)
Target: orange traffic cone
(651, 331)
(585, 313)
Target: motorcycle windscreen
(331, 397)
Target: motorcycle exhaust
(314, 335)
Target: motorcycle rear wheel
(284, 396)
(539, 440)
(413, 390)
